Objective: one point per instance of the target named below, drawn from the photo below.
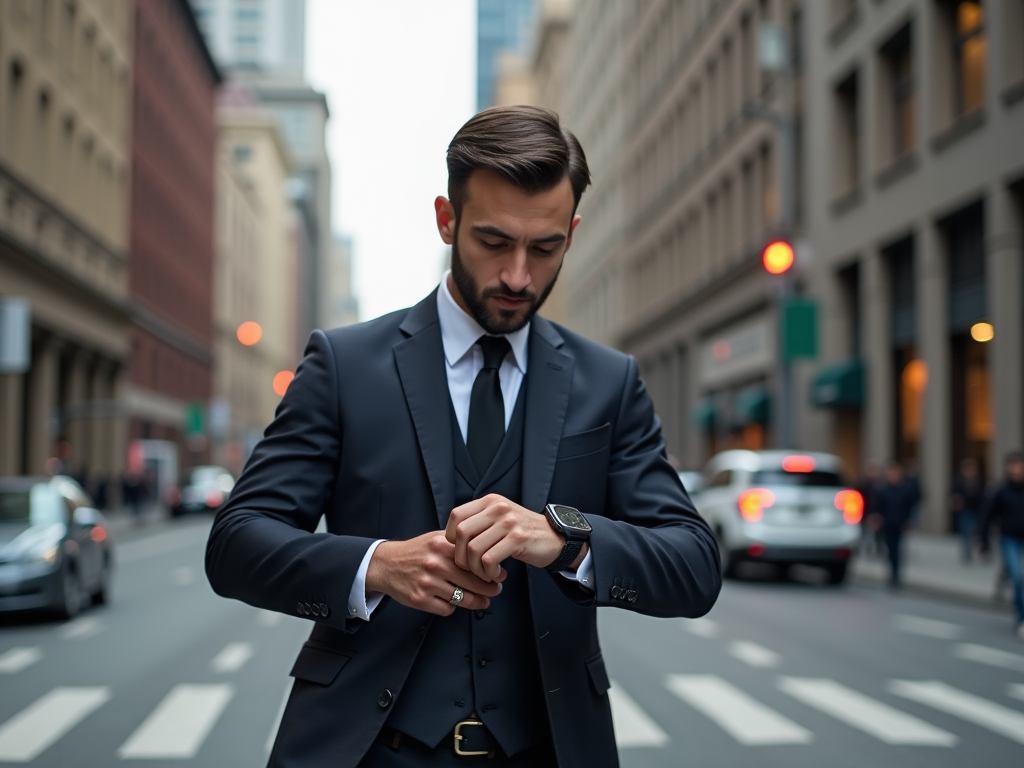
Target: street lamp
(778, 257)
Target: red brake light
(851, 504)
(752, 503)
(798, 464)
(98, 533)
(214, 499)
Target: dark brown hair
(526, 145)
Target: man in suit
(488, 480)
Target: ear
(445, 214)
(572, 228)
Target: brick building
(171, 227)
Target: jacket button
(315, 608)
(384, 699)
(323, 610)
(615, 591)
(309, 609)
(300, 608)
(632, 596)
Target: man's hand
(487, 531)
(421, 573)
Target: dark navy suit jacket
(363, 437)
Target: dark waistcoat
(481, 661)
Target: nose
(516, 274)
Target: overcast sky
(400, 81)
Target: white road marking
(917, 625)
(183, 576)
(272, 736)
(26, 735)
(161, 543)
(1015, 690)
(19, 658)
(179, 724)
(702, 627)
(742, 717)
(269, 618)
(753, 654)
(633, 726)
(991, 656)
(864, 713)
(81, 629)
(987, 714)
(232, 658)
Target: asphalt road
(782, 673)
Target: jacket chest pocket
(581, 470)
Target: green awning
(704, 414)
(839, 386)
(752, 406)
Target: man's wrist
(377, 571)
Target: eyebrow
(495, 232)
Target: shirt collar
(459, 331)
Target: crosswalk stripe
(1015, 690)
(232, 658)
(633, 726)
(31, 731)
(917, 625)
(864, 713)
(967, 706)
(81, 629)
(272, 736)
(753, 654)
(991, 656)
(19, 658)
(269, 618)
(179, 724)
(742, 717)
(701, 627)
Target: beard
(506, 320)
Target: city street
(783, 673)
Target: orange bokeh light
(851, 503)
(753, 501)
(281, 382)
(778, 257)
(249, 333)
(798, 463)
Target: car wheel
(101, 595)
(837, 573)
(71, 595)
(729, 561)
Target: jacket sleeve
(262, 548)
(653, 553)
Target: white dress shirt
(463, 361)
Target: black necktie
(486, 405)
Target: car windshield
(206, 475)
(39, 505)
(816, 478)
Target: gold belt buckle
(459, 737)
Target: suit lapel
(548, 383)
(420, 361)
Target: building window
(242, 153)
(969, 44)
(847, 134)
(897, 55)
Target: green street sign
(798, 328)
(195, 418)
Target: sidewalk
(931, 564)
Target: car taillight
(851, 504)
(214, 499)
(98, 534)
(172, 496)
(752, 503)
(798, 463)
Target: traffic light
(778, 257)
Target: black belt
(470, 738)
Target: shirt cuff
(360, 603)
(585, 573)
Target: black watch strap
(569, 553)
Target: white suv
(781, 507)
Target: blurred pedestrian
(1006, 507)
(868, 489)
(895, 502)
(966, 500)
(133, 494)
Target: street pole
(787, 193)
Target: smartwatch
(571, 523)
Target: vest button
(483, 662)
(384, 699)
(422, 630)
(479, 614)
(467, 657)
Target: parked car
(692, 481)
(208, 487)
(55, 550)
(781, 507)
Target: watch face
(571, 518)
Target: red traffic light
(778, 257)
